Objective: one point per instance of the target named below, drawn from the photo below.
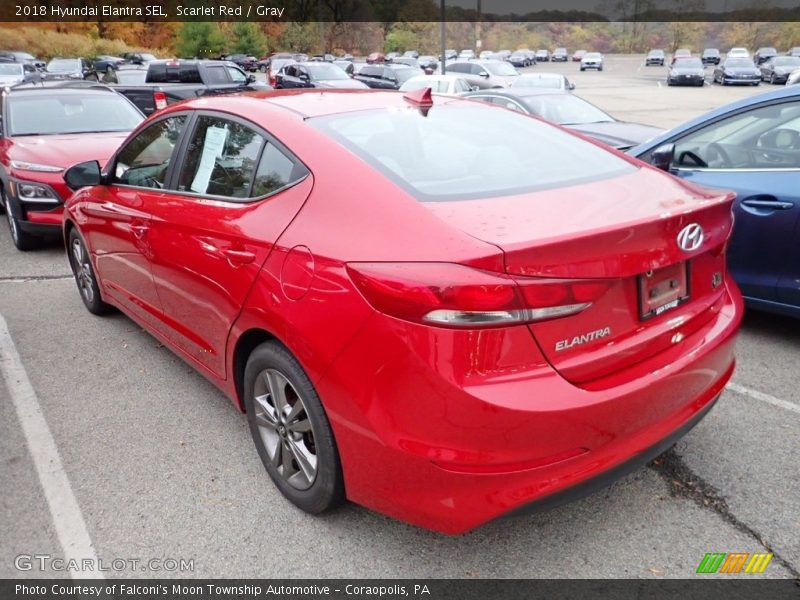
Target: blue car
(751, 146)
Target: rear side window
(145, 160)
(466, 151)
(216, 76)
(221, 159)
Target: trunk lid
(617, 230)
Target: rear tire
(291, 430)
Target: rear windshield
(465, 152)
(56, 113)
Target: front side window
(236, 75)
(144, 162)
(765, 137)
(221, 159)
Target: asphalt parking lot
(162, 466)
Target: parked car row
(734, 71)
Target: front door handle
(239, 257)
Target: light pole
(443, 37)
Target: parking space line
(64, 510)
(756, 395)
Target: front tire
(291, 430)
(23, 241)
(83, 271)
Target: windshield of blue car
(468, 150)
(566, 109)
(326, 72)
(64, 65)
(503, 69)
(689, 63)
(739, 63)
(54, 113)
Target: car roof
(765, 97)
(63, 87)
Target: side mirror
(484, 74)
(84, 174)
(571, 86)
(663, 156)
(251, 79)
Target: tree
(300, 37)
(248, 39)
(201, 39)
(400, 39)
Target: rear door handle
(239, 257)
(139, 231)
(766, 204)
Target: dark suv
(387, 77)
(710, 56)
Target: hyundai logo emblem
(690, 238)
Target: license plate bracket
(663, 290)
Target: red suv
(46, 128)
(440, 309)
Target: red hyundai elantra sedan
(442, 310)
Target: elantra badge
(690, 238)
(579, 340)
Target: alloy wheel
(83, 271)
(285, 429)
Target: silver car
(592, 60)
(485, 74)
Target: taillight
(452, 295)
(160, 100)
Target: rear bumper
(450, 429)
(742, 81)
(605, 479)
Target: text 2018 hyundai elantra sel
(442, 310)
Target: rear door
(235, 191)
(756, 153)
